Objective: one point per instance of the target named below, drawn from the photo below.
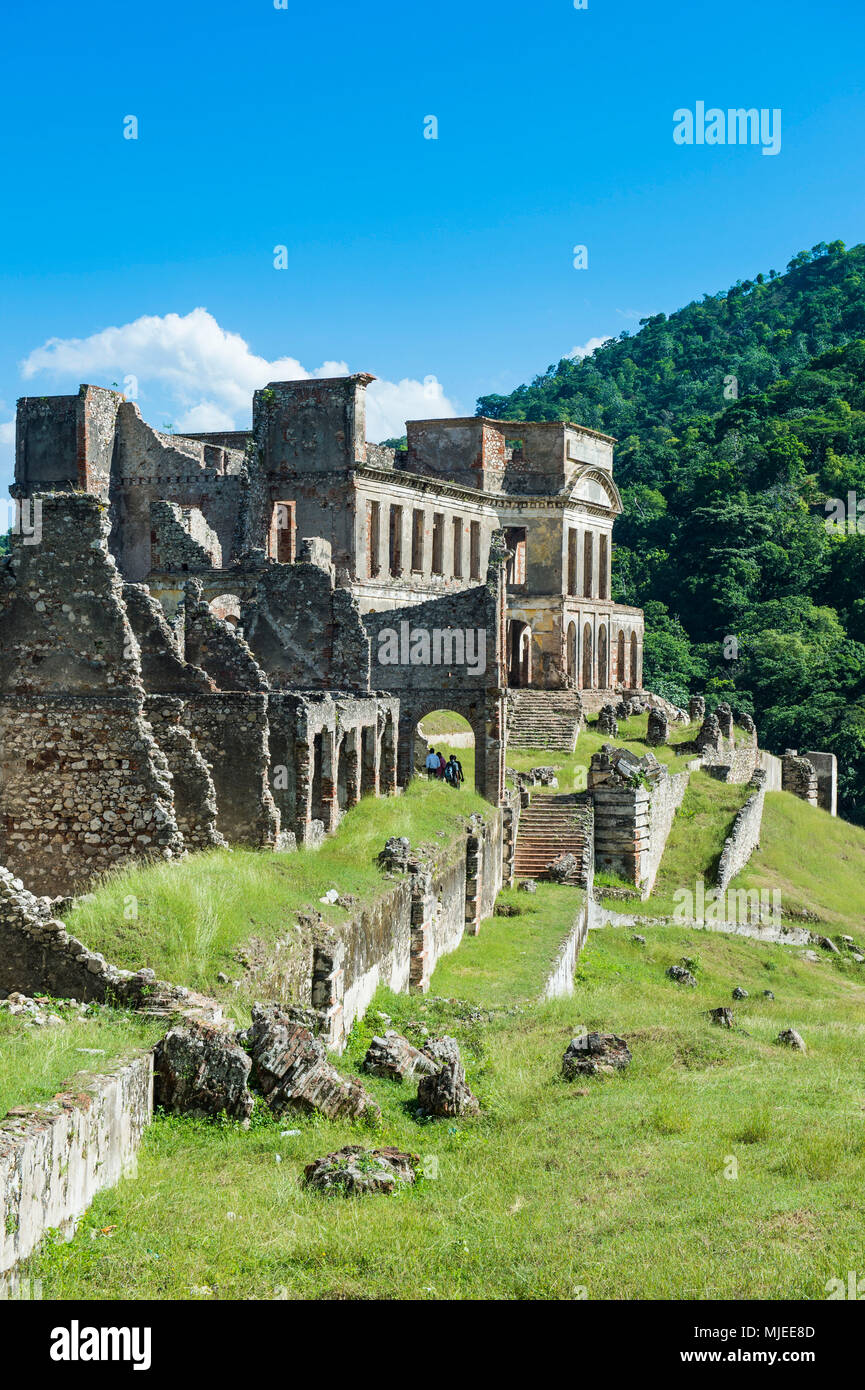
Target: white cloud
(588, 348)
(7, 447)
(206, 376)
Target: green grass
(632, 735)
(36, 1063)
(702, 824)
(816, 861)
(620, 1186)
(511, 957)
(445, 721)
(187, 920)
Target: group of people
(450, 769)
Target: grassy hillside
(659, 1183)
(817, 861)
(187, 921)
(738, 419)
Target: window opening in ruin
(515, 540)
(417, 526)
(438, 543)
(572, 560)
(458, 547)
(282, 536)
(475, 550)
(587, 565)
(396, 541)
(603, 568)
(373, 538)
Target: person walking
(454, 771)
(431, 764)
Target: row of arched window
(588, 660)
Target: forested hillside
(738, 418)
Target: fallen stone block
(292, 1068)
(356, 1171)
(528, 885)
(442, 1050)
(202, 1070)
(723, 1017)
(446, 1094)
(395, 1057)
(563, 867)
(788, 1037)
(740, 993)
(594, 1053)
(681, 975)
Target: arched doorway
(520, 655)
(587, 657)
(635, 684)
(571, 652)
(447, 733)
(621, 673)
(226, 607)
(603, 658)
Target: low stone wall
(632, 824)
(560, 980)
(745, 835)
(399, 939)
(54, 1158)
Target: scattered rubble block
(696, 709)
(681, 975)
(724, 715)
(544, 776)
(658, 728)
(828, 944)
(528, 885)
(292, 1068)
(620, 767)
(722, 1016)
(442, 1050)
(396, 855)
(788, 1037)
(200, 1069)
(768, 994)
(395, 1057)
(356, 1171)
(446, 1094)
(740, 993)
(594, 1053)
(564, 868)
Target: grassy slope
(632, 735)
(614, 1185)
(511, 955)
(816, 860)
(192, 917)
(36, 1063)
(702, 824)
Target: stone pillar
(304, 764)
(658, 728)
(724, 716)
(474, 877)
(328, 991)
(696, 709)
(329, 802)
(826, 767)
(799, 776)
(510, 828)
(607, 722)
(423, 905)
(352, 769)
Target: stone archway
(603, 658)
(519, 654)
(485, 713)
(587, 657)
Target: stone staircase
(544, 719)
(549, 826)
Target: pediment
(596, 486)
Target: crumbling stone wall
(83, 783)
(744, 837)
(180, 539)
(799, 776)
(305, 632)
(635, 802)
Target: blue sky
(446, 262)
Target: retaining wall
(54, 1158)
(745, 835)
